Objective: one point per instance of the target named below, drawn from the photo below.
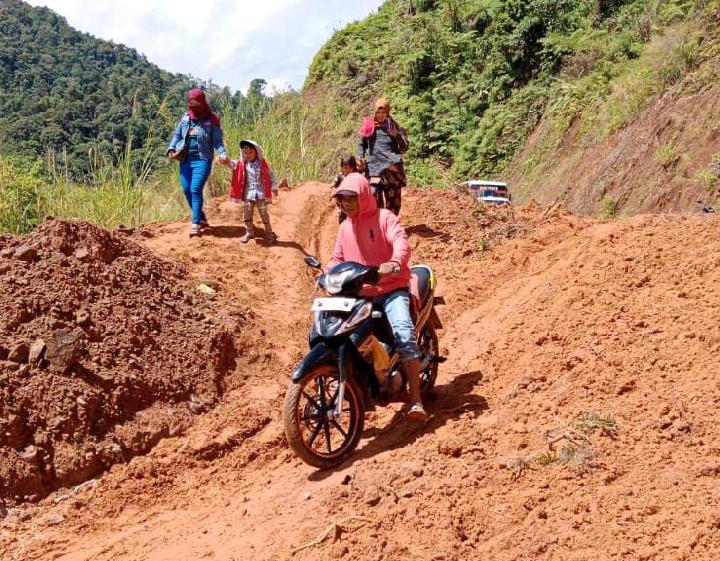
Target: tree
(257, 101)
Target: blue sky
(228, 41)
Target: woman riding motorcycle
(373, 236)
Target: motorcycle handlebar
(371, 277)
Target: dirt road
(574, 418)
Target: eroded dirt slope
(574, 418)
(666, 160)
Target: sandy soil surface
(574, 418)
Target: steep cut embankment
(667, 159)
(574, 418)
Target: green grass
(303, 137)
(112, 202)
(630, 94)
(138, 187)
(484, 246)
(112, 196)
(546, 458)
(707, 178)
(579, 450)
(20, 185)
(589, 422)
(667, 154)
(615, 91)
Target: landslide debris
(453, 225)
(105, 348)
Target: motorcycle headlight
(328, 324)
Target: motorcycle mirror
(313, 262)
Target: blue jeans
(193, 176)
(396, 306)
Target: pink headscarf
(199, 113)
(368, 127)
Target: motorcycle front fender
(321, 353)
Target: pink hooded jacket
(373, 237)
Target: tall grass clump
(20, 182)
(135, 187)
(302, 136)
(609, 207)
(113, 194)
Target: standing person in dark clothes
(380, 148)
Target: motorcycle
(352, 364)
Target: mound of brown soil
(575, 417)
(103, 345)
(451, 225)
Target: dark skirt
(388, 192)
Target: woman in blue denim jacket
(197, 135)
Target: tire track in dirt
(570, 317)
(276, 284)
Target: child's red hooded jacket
(237, 190)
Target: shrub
(608, 208)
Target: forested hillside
(556, 96)
(471, 79)
(82, 98)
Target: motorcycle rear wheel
(321, 442)
(429, 346)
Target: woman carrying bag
(197, 135)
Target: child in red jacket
(253, 184)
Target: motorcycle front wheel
(319, 440)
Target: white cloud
(230, 42)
